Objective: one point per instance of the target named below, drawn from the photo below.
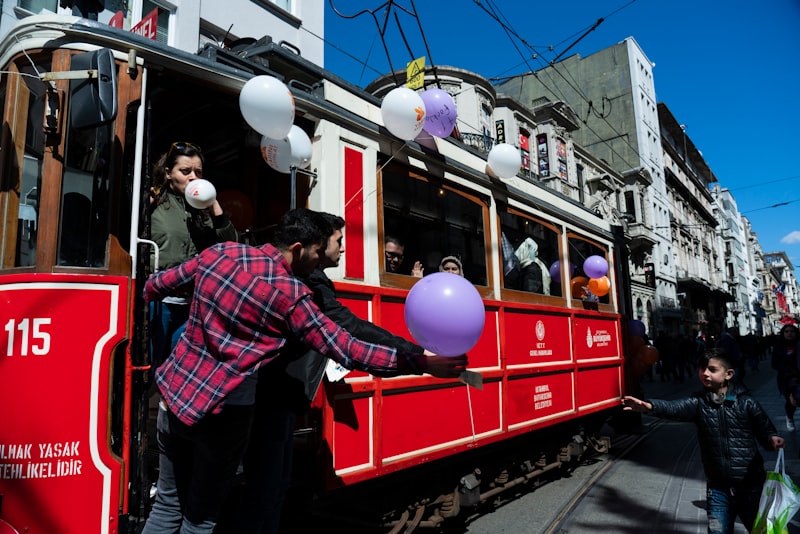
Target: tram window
(433, 221)
(19, 198)
(528, 249)
(579, 250)
(86, 198)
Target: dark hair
(302, 226)
(167, 161)
(392, 239)
(720, 354)
(336, 222)
(786, 327)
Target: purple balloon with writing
(440, 109)
(445, 314)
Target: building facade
(188, 24)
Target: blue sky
(729, 71)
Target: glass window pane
(581, 282)
(162, 31)
(528, 249)
(31, 172)
(35, 6)
(86, 196)
(433, 222)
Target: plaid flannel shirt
(246, 305)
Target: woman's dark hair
(786, 327)
(167, 161)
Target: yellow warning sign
(415, 73)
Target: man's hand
(417, 269)
(777, 442)
(445, 366)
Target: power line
(778, 205)
(761, 184)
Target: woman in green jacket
(180, 231)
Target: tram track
(561, 519)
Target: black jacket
(727, 433)
(786, 366)
(309, 368)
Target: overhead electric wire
(557, 92)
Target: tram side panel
(57, 470)
(378, 426)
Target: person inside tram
(209, 385)
(451, 264)
(724, 413)
(180, 231)
(534, 275)
(393, 250)
(286, 390)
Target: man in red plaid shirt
(247, 309)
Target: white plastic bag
(780, 500)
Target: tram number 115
(32, 336)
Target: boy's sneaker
(790, 424)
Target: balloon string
(471, 417)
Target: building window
(286, 5)
(544, 157)
(525, 151)
(35, 6)
(630, 206)
(486, 128)
(561, 150)
(162, 31)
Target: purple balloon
(595, 267)
(440, 112)
(444, 312)
(555, 271)
(637, 328)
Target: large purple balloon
(440, 112)
(444, 312)
(595, 267)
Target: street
(650, 481)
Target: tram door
(65, 295)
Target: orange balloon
(600, 286)
(637, 342)
(648, 354)
(577, 286)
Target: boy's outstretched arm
(636, 405)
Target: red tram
(75, 378)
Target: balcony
(641, 235)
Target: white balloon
(301, 147)
(267, 105)
(200, 194)
(294, 149)
(504, 160)
(403, 113)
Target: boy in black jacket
(729, 423)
